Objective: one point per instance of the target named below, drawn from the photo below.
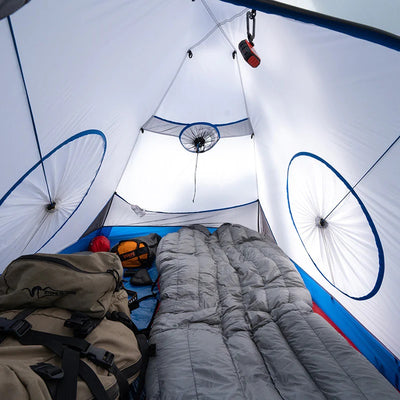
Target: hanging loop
(251, 15)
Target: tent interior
(128, 117)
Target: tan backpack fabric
(49, 290)
(81, 282)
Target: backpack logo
(39, 292)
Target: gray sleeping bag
(236, 322)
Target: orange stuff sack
(137, 252)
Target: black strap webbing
(19, 317)
(122, 383)
(84, 371)
(67, 387)
(23, 332)
(81, 324)
(144, 349)
(51, 376)
(88, 375)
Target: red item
(249, 54)
(317, 310)
(99, 243)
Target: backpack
(65, 330)
(137, 252)
(80, 282)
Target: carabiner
(251, 15)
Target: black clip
(119, 316)
(99, 356)
(17, 327)
(251, 15)
(81, 324)
(133, 303)
(48, 371)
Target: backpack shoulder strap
(70, 350)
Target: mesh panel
(164, 127)
(198, 138)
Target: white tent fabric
(334, 227)
(341, 103)
(80, 79)
(84, 65)
(169, 180)
(28, 224)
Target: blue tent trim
(371, 224)
(339, 25)
(39, 163)
(214, 127)
(184, 124)
(386, 363)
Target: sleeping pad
(236, 322)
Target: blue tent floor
(142, 315)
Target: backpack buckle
(99, 356)
(17, 327)
(48, 371)
(81, 324)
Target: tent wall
(323, 119)
(84, 65)
(162, 176)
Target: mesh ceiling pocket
(199, 137)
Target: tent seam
(254, 329)
(219, 303)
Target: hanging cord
(33, 234)
(172, 82)
(218, 26)
(51, 204)
(238, 66)
(242, 86)
(207, 7)
(198, 144)
(323, 220)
